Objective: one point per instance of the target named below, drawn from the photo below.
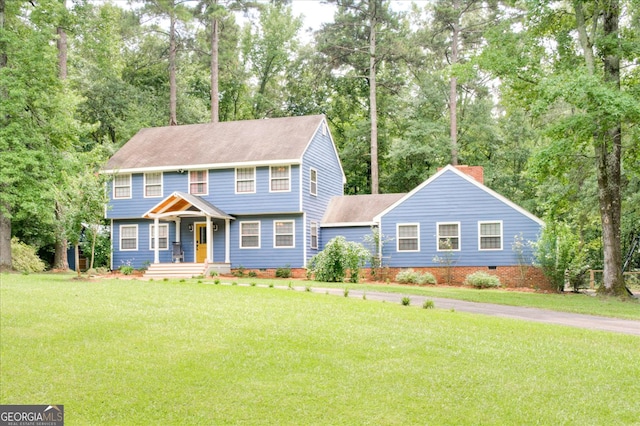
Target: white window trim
(313, 225)
(245, 180)
(120, 238)
(312, 181)
(129, 185)
(485, 222)
(144, 188)
(398, 225)
(259, 234)
(206, 180)
(438, 236)
(293, 234)
(151, 234)
(271, 178)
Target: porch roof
(182, 204)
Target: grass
(133, 352)
(565, 302)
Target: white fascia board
(213, 166)
(346, 224)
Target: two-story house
(266, 194)
(243, 194)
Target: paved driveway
(591, 322)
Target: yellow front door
(201, 242)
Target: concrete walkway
(591, 322)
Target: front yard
(138, 352)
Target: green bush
(482, 280)
(24, 257)
(409, 276)
(428, 304)
(283, 272)
(406, 301)
(339, 257)
(126, 269)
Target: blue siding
(321, 156)
(267, 256)
(142, 256)
(450, 198)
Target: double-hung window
(280, 178)
(448, 236)
(408, 237)
(245, 180)
(198, 182)
(313, 178)
(163, 237)
(122, 186)
(153, 185)
(249, 234)
(128, 237)
(284, 234)
(314, 235)
(490, 235)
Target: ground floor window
(448, 236)
(249, 234)
(128, 237)
(314, 235)
(284, 234)
(163, 237)
(408, 237)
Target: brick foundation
(510, 276)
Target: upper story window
(408, 237)
(448, 236)
(163, 237)
(246, 180)
(122, 186)
(249, 234)
(313, 177)
(283, 234)
(128, 237)
(314, 235)
(490, 235)
(198, 182)
(153, 185)
(280, 178)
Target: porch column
(178, 221)
(209, 258)
(156, 239)
(227, 240)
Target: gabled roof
(450, 168)
(350, 210)
(210, 145)
(183, 204)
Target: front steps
(185, 270)
(175, 270)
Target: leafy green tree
(338, 258)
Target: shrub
(252, 274)
(216, 281)
(409, 276)
(482, 280)
(283, 272)
(339, 257)
(126, 269)
(406, 301)
(428, 304)
(24, 257)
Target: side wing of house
(452, 219)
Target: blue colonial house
(265, 194)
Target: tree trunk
(608, 156)
(373, 109)
(62, 48)
(5, 238)
(173, 90)
(453, 90)
(214, 68)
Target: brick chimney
(476, 172)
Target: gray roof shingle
(357, 208)
(249, 141)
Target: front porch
(185, 270)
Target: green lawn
(134, 352)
